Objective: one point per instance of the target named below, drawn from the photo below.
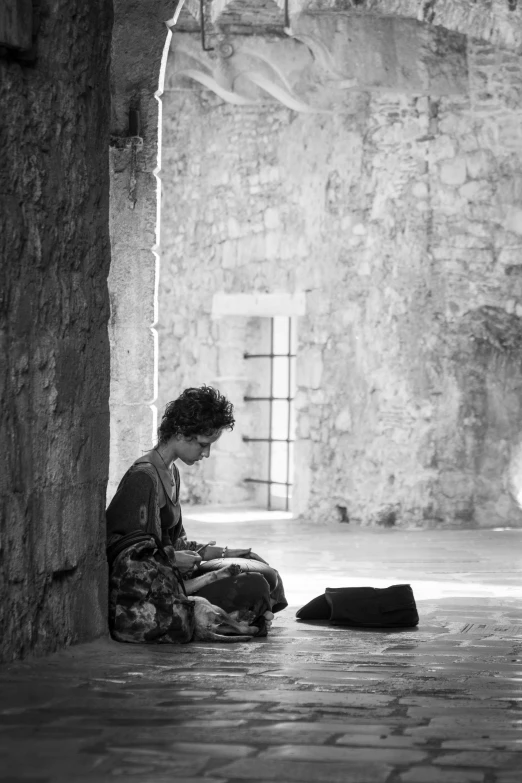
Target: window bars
(280, 413)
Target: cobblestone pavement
(313, 702)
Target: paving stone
(308, 772)
(447, 703)
(434, 775)
(213, 750)
(25, 779)
(338, 678)
(375, 713)
(508, 776)
(321, 698)
(185, 709)
(481, 743)
(479, 759)
(335, 727)
(196, 694)
(332, 753)
(249, 734)
(381, 741)
(208, 725)
(132, 761)
(468, 730)
(460, 714)
(159, 778)
(55, 757)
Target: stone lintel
(259, 305)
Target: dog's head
(214, 624)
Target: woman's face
(192, 449)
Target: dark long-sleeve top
(147, 500)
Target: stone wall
(54, 379)
(398, 214)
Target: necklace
(161, 458)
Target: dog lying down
(213, 624)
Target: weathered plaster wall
(54, 376)
(495, 21)
(399, 215)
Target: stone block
(301, 400)
(208, 357)
(229, 256)
(271, 218)
(442, 148)
(480, 164)
(343, 422)
(133, 431)
(479, 190)
(453, 172)
(513, 220)
(303, 426)
(510, 256)
(310, 368)
(272, 244)
(234, 229)
(133, 352)
(132, 286)
(303, 476)
(420, 190)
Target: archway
(401, 147)
(139, 45)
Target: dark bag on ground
(364, 607)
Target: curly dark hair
(197, 411)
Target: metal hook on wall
(202, 20)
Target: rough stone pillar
(54, 308)
(139, 46)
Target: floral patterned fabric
(147, 602)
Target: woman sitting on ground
(147, 504)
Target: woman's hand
(187, 561)
(212, 552)
(217, 552)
